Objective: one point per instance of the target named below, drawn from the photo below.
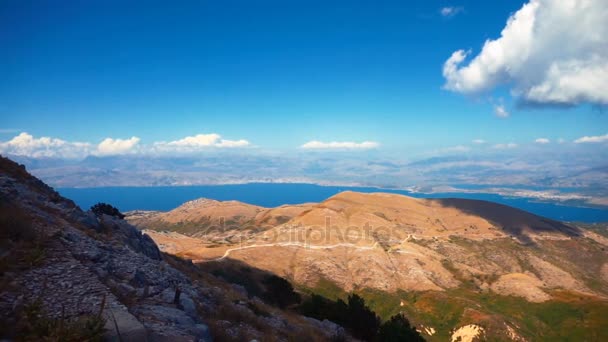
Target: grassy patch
(22, 245)
(568, 317)
(326, 288)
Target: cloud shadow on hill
(513, 221)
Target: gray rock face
(90, 262)
(122, 325)
(137, 241)
(185, 301)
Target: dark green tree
(398, 329)
(363, 322)
(280, 292)
(104, 208)
(359, 319)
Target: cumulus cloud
(340, 145)
(542, 141)
(592, 139)
(500, 111)
(505, 146)
(25, 144)
(478, 141)
(111, 146)
(549, 53)
(450, 11)
(200, 141)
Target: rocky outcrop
(88, 265)
(89, 262)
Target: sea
(164, 198)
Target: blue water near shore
(275, 194)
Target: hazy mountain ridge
(584, 177)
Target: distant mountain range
(563, 177)
(447, 263)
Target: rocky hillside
(70, 275)
(398, 249)
(216, 220)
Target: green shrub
(398, 329)
(279, 292)
(15, 224)
(357, 318)
(104, 208)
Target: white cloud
(542, 141)
(592, 139)
(199, 141)
(233, 143)
(505, 146)
(25, 144)
(550, 52)
(450, 11)
(478, 141)
(339, 145)
(111, 146)
(500, 111)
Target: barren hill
(429, 217)
(393, 243)
(211, 218)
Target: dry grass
(250, 315)
(21, 245)
(32, 323)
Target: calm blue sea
(272, 195)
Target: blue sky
(277, 74)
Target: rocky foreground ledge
(61, 264)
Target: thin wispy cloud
(542, 141)
(531, 57)
(339, 145)
(505, 146)
(500, 111)
(450, 11)
(478, 141)
(592, 139)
